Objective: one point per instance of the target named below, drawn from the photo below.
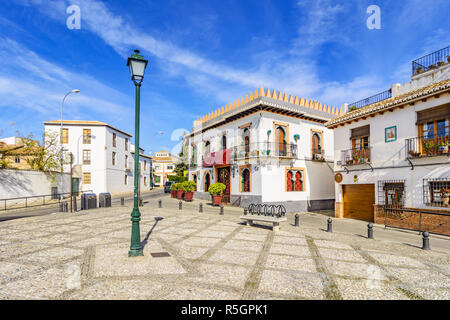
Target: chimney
(344, 108)
(395, 90)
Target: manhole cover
(160, 254)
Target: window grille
(391, 193)
(436, 192)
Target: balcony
(373, 99)
(420, 147)
(221, 157)
(265, 149)
(431, 61)
(193, 163)
(355, 156)
(318, 154)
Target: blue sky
(202, 55)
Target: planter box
(180, 194)
(217, 200)
(173, 193)
(188, 196)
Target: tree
(180, 168)
(45, 158)
(5, 153)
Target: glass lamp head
(137, 64)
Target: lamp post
(137, 65)
(61, 140)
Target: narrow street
(41, 211)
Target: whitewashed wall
(26, 183)
(392, 154)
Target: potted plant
(448, 59)
(440, 63)
(173, 190)
(419, 70)
(179, 191)
(216, 191)
(188, 187)
(356, 158)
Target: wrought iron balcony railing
(373, 99)
(318, 154)
(431, 61)
(355, 156)
(419, 147)
(265, 149)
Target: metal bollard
(200, 207)
(159, 203)
(370, 230)
(180, 205)
(141, 202)
(66, 207)
(74, 205)
(61, 207)
(221, 210)
(122, 201)
(426, 240)
(329, 225)
(296, 220)
(245, 211)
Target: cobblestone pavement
(211, 256)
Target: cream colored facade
(163, 165)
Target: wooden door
(224, 177)
(358, 201)
(281, 142)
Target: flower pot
(173, 193)
(188, 196)
(180, 194)
(217, 200)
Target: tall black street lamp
(137, 65)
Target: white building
(266, 148)
(393, 152)
(102, 156)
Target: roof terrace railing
(431, 61)
(373, 99)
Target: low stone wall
(414, 220)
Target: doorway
(223, 175)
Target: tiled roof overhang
(264, 104)
(391, 104)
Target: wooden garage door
(358, 201)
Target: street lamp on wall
(137, 65)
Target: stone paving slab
(85, 256)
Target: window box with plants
(216, 191)
(188, 187)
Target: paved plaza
(192, 255)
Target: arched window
(194, 154)
(298, 181)
(246, 180)
(207, 147)
(224, 142)
(207, 182)
(246, 139)
(194, 178)
(289, 181)
(316, 144)
(280, 142)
